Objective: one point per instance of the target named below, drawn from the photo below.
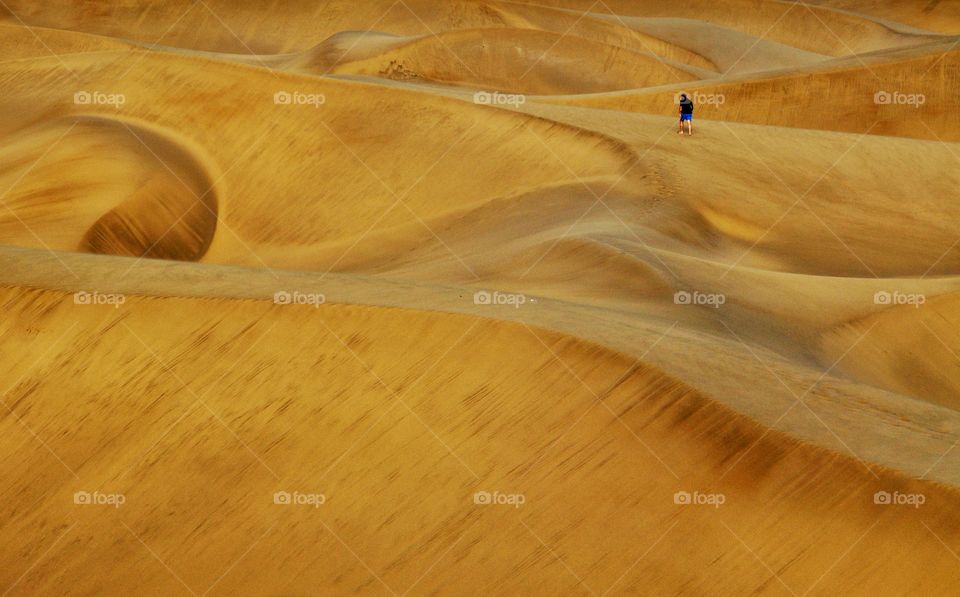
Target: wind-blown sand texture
(389, 259)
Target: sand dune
(208, 26)
(815, 29)
(935, 16)
(513, 60)
(339, 144)
(492, 433)
(160, 220)
(294, 288)
(131, 207)
(899, 334)
(730, 51)
(898, 93)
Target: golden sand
(430, 298)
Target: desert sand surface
(416, 297)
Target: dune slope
(590, 441)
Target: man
(686, 114)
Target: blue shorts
(688, 117)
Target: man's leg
(690, 126)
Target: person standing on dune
(686, 114)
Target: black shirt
(686, 106)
